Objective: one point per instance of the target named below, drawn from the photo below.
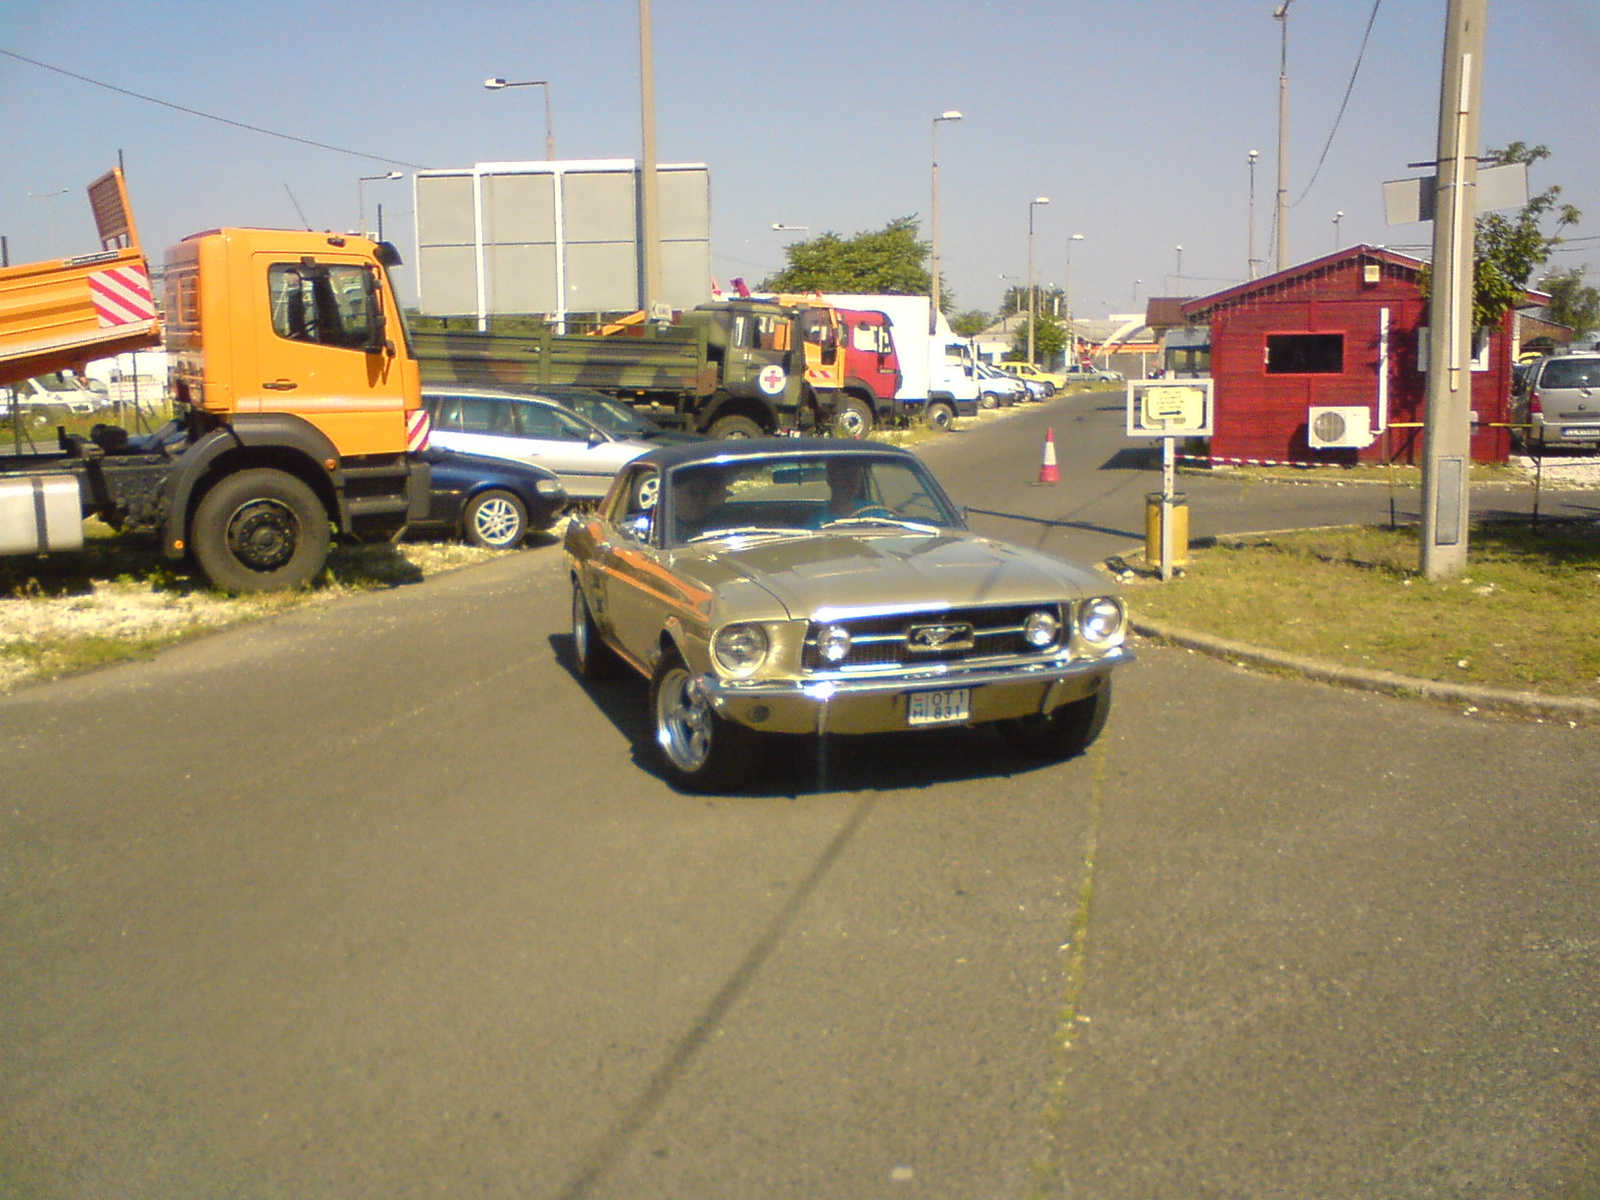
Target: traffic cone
(1048, 472)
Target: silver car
(532, 430)
(1558, 402)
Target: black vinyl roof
(733, 449)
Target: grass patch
(1520, 617)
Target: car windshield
(792, 494)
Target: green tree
(891, 260)
(1573, 303)
(1047, 298)
(971, 323)
(1049, 339)
(1509, 249)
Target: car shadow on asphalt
(792, 766)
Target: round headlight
(1041, 628)
(1100, 621)
(833, 643)
(740, 648)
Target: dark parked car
(490, 502)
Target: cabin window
(328, 305)
(1305, 354)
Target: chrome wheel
(684, 721)
(495, 520)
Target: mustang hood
(886, 571)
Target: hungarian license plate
(1581, 431)
(939, 708)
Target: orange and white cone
(1048, 472)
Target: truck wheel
(260, 531)
(495, 520)
(735, 426)
(939, 415)
(853, 418)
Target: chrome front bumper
(836, 702)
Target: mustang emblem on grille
(926, 638)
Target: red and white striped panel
(418, 428)
(122, 296)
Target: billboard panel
(556, 237)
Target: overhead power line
(195, 112)
(1349, 87)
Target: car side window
(569, 428)
(446, 413)
(484, 415)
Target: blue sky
(1135, 117)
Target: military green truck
(729, 369)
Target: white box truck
(939, 381)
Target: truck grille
(956, 635)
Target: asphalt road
(377, 900)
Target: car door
(471, 424)
(585, 456)
(631, 590)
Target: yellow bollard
(1180, 529)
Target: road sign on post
(1169, 409)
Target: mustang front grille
(923, 638)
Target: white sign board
(1169, 408)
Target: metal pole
(1032, 204)
(1250, 263)
(1072, 328)
(1448, 431)
(1281, 229)
(933, 297)
(652, 219)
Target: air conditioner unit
(1343, 428)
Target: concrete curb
(1567, 708)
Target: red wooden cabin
(1337, 333)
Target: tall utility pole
(1032, 293)
(649, 196)
(1447, 450)
(933, 305)
(1281, 225)
(1250, 263)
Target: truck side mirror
(378, 323)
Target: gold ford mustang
(810, 586)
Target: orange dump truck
(298, 400)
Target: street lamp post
(1250, 263)
(933, 304)
(1032, 204)
(1072, 330)
(1337, 217)
(361, 200)
(496, 84)
(1178, 278)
